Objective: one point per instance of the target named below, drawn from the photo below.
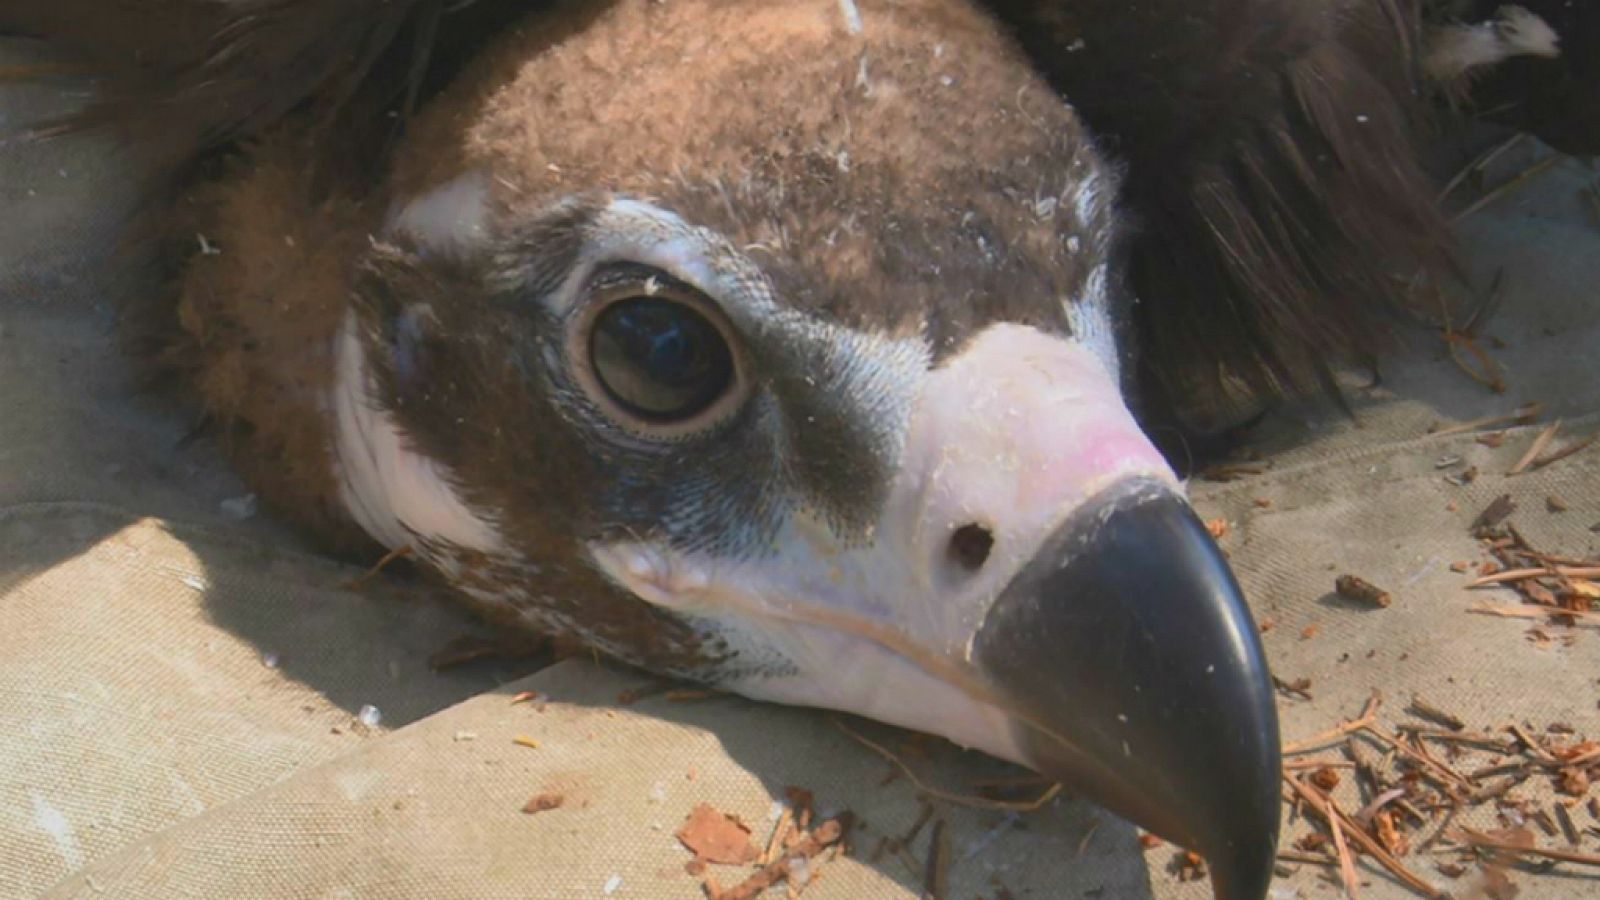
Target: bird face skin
(779, 351)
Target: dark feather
(194, 74)
(197, 73)
(1271, 171)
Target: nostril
(970, 545)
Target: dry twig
(949, 796)
(1512, 185)
(1555, 456)
(361, 581)
(1534, 612)
(1368, 715)
(1479, 839)
(1478, 165)
(1523, 415)
(1434, 714)
(1538, 447)
(1347, 866)
(1327, 810)
(1511, 575)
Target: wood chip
(1389, 833)
(716, 837)
(1496, 884)
(1434, 714)
(544, 803)
(1300, 687)
(1568, 828)
(1190, 866)
(826, 835)
(1494, 513)
(1353, 587)
(1574, 782)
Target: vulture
(814, 350)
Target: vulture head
(779, 347)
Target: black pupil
(660, 359)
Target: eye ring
(658, 357)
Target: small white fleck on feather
(852, 16)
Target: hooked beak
(1133, 667)
(1094, 633)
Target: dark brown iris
(660, 359)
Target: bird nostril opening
(970, 545)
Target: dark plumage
(790, 345)
(1271, 177)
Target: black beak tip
(1140, 681)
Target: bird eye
(659, 359)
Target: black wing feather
(1271, 172)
